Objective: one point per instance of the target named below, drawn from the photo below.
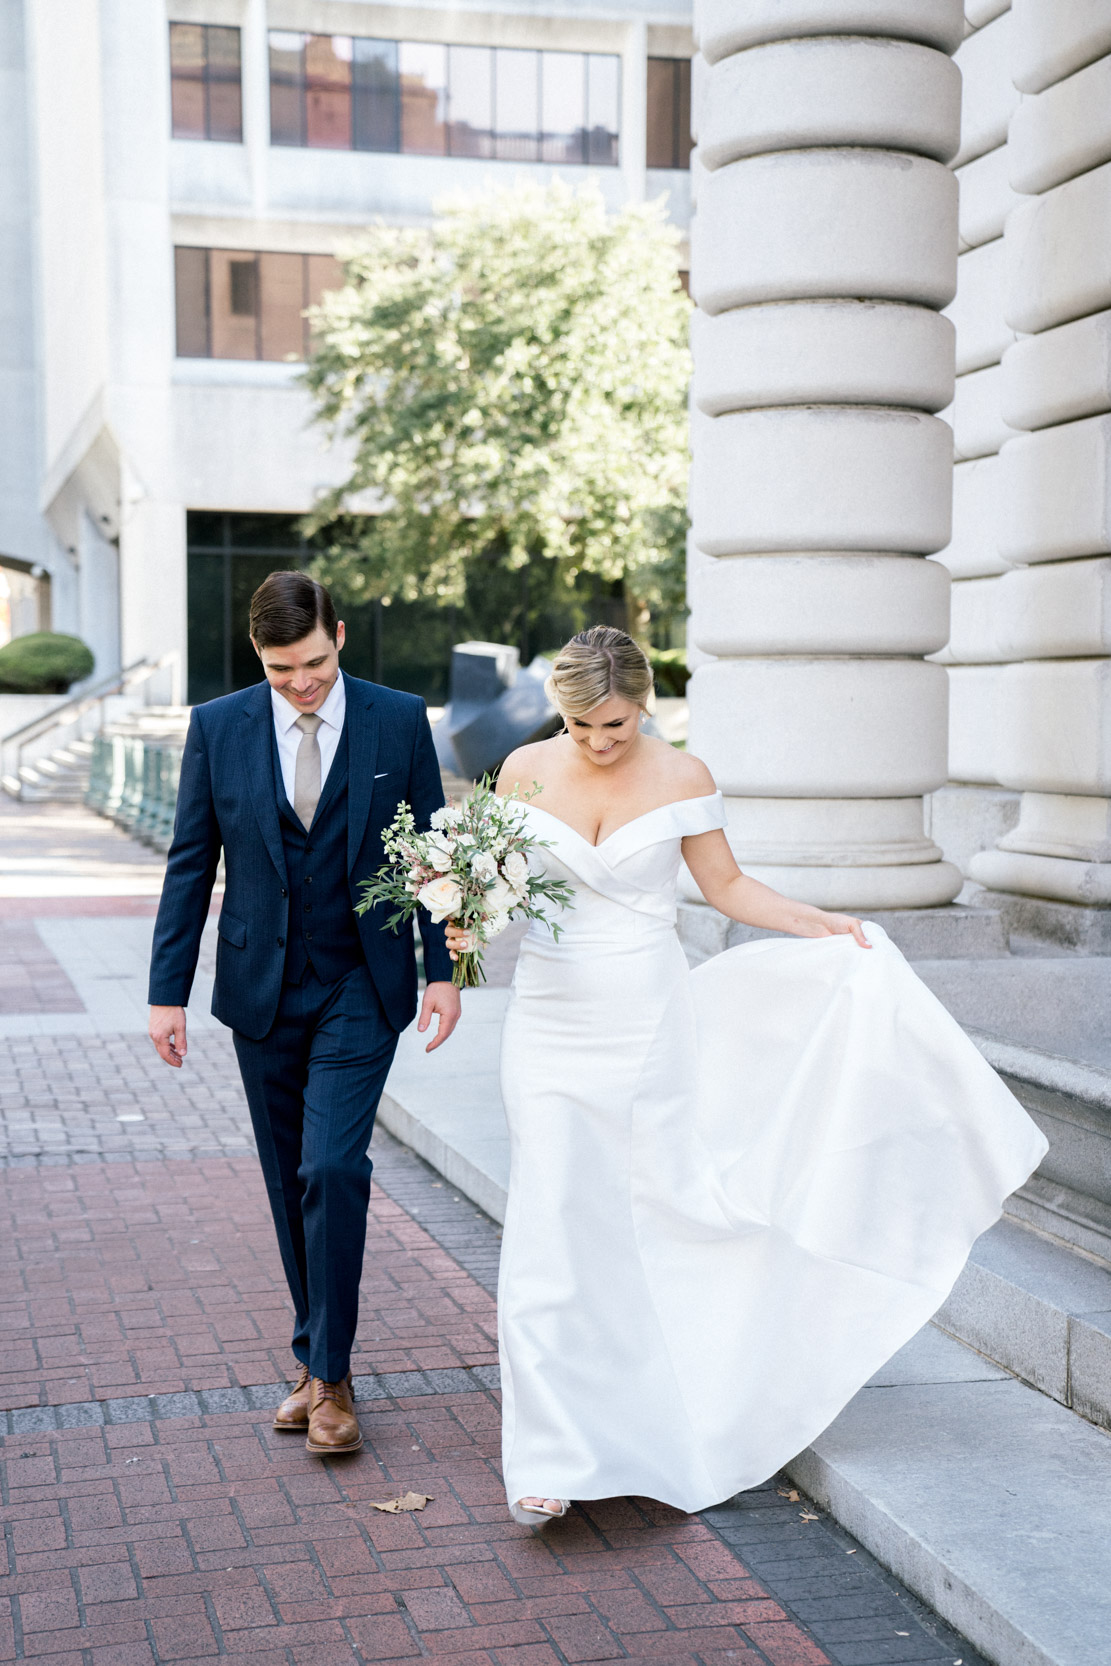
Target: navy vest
(322, 930)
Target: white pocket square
(383, 775)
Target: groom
(295, 779)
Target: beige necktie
(306, 777)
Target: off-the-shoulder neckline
(698, 798)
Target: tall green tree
(514, 381)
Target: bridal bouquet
(471, 868)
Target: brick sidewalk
(148, 1294)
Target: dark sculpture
(496, 705)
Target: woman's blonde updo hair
(596, 665)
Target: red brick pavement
(119, 1279)
(181, 1539)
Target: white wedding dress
(734, 1192)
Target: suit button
(308, 879)
(285, 893)
(308, 908)
(281, 942)
(308, 937)
(308, 850)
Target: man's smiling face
(304, 673)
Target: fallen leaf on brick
(395, 1506)
(792, 1497)
(804, 1515)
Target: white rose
(443, 816)
(442, 898)
(515, 869)
(484, 867)
(441, 851)
(495, 924)
(499, 899)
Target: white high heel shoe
(535, 1515)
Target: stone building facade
(903, 210)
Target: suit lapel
(361, 723)
(256, 731)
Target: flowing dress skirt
(735, 1193)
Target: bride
(734, 1192)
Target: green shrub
(669, 669)
(43, 663)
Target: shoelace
(329, 1391)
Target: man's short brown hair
(287, 607)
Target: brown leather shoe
(293, 1413)
(333, 1426)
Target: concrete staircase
(61, 774)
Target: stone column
(824, 248)
(1054, 742)
(975, 809)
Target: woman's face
(605, 734)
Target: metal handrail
(71, 711)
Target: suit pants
(313, 1085)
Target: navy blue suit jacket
(228, 798)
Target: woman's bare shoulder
(525, 767)
(685, 775)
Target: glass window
(191, 302)
(328, 92)
(224, 84)
(375, 96)
(233, 304)
(427, 99)
(321, 272)
(287, 89)
(516, 105)
(603, 103)
(471, 100)
(669, 113)
(187, 80)
(236, 304)
(563, 107)
(205, 92)
(281, 301)
(423, 73)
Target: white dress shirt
(331, 714)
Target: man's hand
(441, 999)
(167, 1031)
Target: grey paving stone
(176, 1405)
(135, 1409)
(31, 1420)
(369, 1388)
(453, 1381)
(83, 1414)
(224, 1399)
(402, 1385)
(264, 1396)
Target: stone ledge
(953, 932)
(1068, 925)
(988, 1500)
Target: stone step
(985, 1497)
(1040, 1309)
